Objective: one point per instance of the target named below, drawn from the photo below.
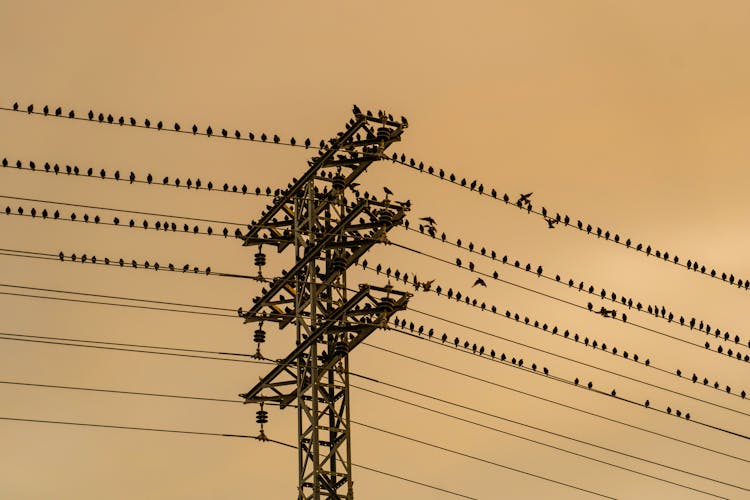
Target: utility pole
(329, 234)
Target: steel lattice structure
(329, 234)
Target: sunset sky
(629, 116)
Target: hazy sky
(631, 116)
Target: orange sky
(632, 116)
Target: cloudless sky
(631, 116)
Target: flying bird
(524, 198)
(428, 220)
(479, 282)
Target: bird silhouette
(388, 192)
(147, 123)
(480, 282)
(428, 220)
(524, 199)
(551, 223)
(195, 129)
(209, 131)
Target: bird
(428, 220)
(388, 192)
(427, 285)
(147, 123)
(551, 223)
(479, 282)
(524, 199)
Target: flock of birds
(657, 311)
(480, 350)
(544, 327)
(149, 178)
(145, 224)
(83, 259)
(160, 125)
(523, 202)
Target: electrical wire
(130, 306)
(432, 410)
(600, 233)
(76, 172)
(666, 315)
(102, 296)
(160, 127)
(583, 363)
(217, 434)
(551, 401)
(33, 337)
(122, 263)
(590, 388)
(21, 338)
(575, 338)
(122, 210)
(408, 403)
(591, 309)
(96, 220)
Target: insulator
(338, 182)
(259, 336)
(341, 348)
(260, 259)
(385, 217)
(383, 133)
(261, 417)
(387, 304)
(338, 264)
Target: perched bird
(427, 285)
(551, 223)
(479, 282)
(388, 192)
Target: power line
(557, 403)
(567, 302)
(632, 305)
(583, 363)
(122, 263)
(96, 220)
(358, 387)
(132, 123)
(122, 210)
(131, 306)
(215, 434)
(111, 346)
(234, 401)
(445, 414)
(590, 387)
(566, 220)
(133, 178)
(483, 460)
(409, 403)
